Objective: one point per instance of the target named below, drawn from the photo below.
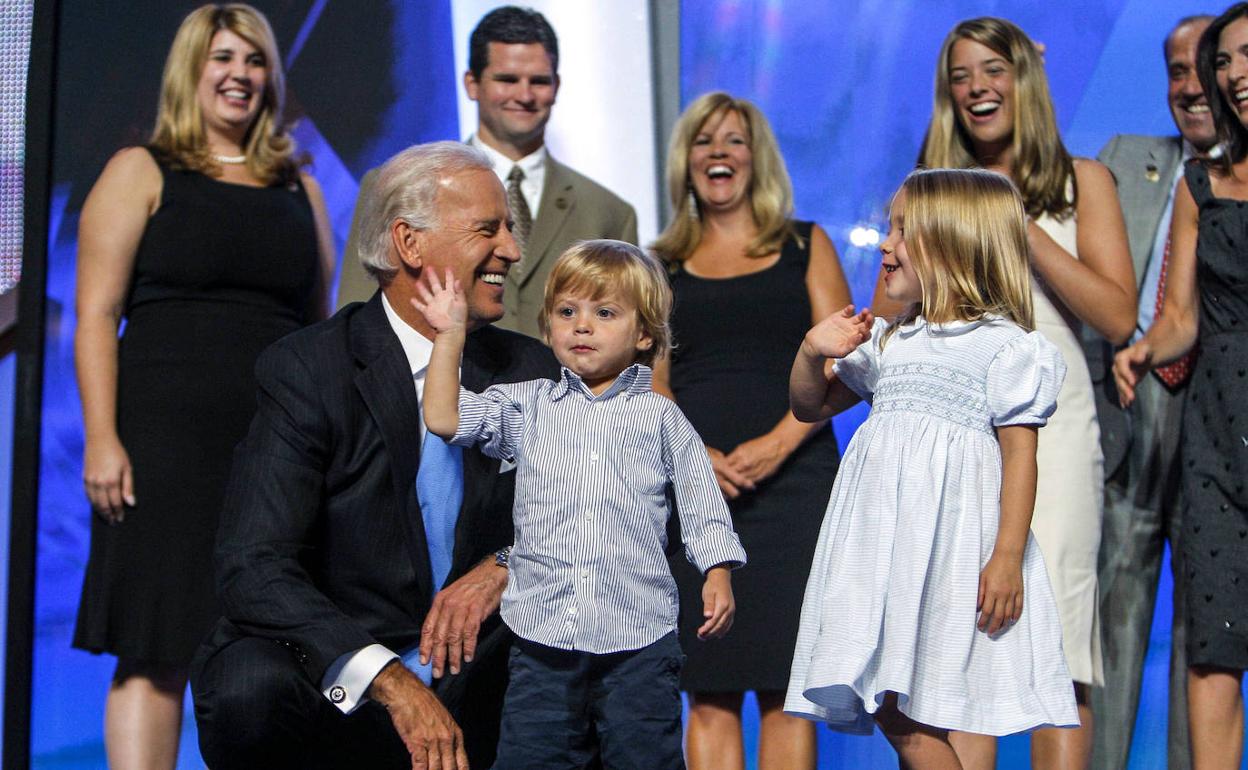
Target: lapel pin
(1151, 173)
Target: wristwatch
(502, 556)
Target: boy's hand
(1000, 601)
(718, 606)
(444, 306)
(839, 334)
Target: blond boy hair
(598, 267)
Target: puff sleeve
(860, 370)
(1023, 381)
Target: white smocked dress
(890, 603)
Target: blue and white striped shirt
(587, 569)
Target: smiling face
(1231, 66)
(473, 238)
(230, 89)
(1187, 101)
(514, 95)
(596, 338)
(721, 163)
(901, 282)
(981, 84)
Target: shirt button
(594, 457)
(589, 517)
(572, 610)
(585, 574)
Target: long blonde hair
(966, 234)
(1042, 167)
(771, 192)
(179, 133)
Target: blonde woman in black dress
(748, 281)
(211, 245)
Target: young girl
(914, 612)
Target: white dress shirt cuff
(347, 679)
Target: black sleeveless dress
(735, 342)
(1215, 437)
(222, 271)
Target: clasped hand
(1130, 366)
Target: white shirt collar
(533, 164)
(416, 347)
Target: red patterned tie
(1174, 374)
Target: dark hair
(510, 24)
(1231, 133)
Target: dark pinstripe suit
(321, 548)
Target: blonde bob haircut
(1042, 166)
(593, 269)
(771, 192)
(966, 234)
(179, 134)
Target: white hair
(407, 188)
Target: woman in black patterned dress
(212, 245)
(1207, 297)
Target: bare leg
(143, 716)
(975, 751)
(1215, 710)
(713, 740)
(784, 742)
(918, 746)
(1065, 748)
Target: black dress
(735, 342)
(222, 271)
(1215, 437)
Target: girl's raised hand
(839, 334)
(1000, 600)
(444, 306)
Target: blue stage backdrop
(365, 80)
(847, 87)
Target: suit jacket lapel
(1163, 158)
(385, 383)
(558, 200)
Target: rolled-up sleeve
(705, 524)
(494, 419)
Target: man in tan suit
(513, 64)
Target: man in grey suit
(513, 76)
(1142, 492)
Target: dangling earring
(693, 206)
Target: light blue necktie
(440, 490)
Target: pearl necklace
(230, 160)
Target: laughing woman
(748, 282)
(211, 245)
(992, 110)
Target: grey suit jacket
(1142, 167)
(573, 208)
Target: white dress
(890, 603)
(1069, 490)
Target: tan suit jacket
(573, 208)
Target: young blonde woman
(992, 110)
(748, 281)
(211, 245)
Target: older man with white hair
(361, 560)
